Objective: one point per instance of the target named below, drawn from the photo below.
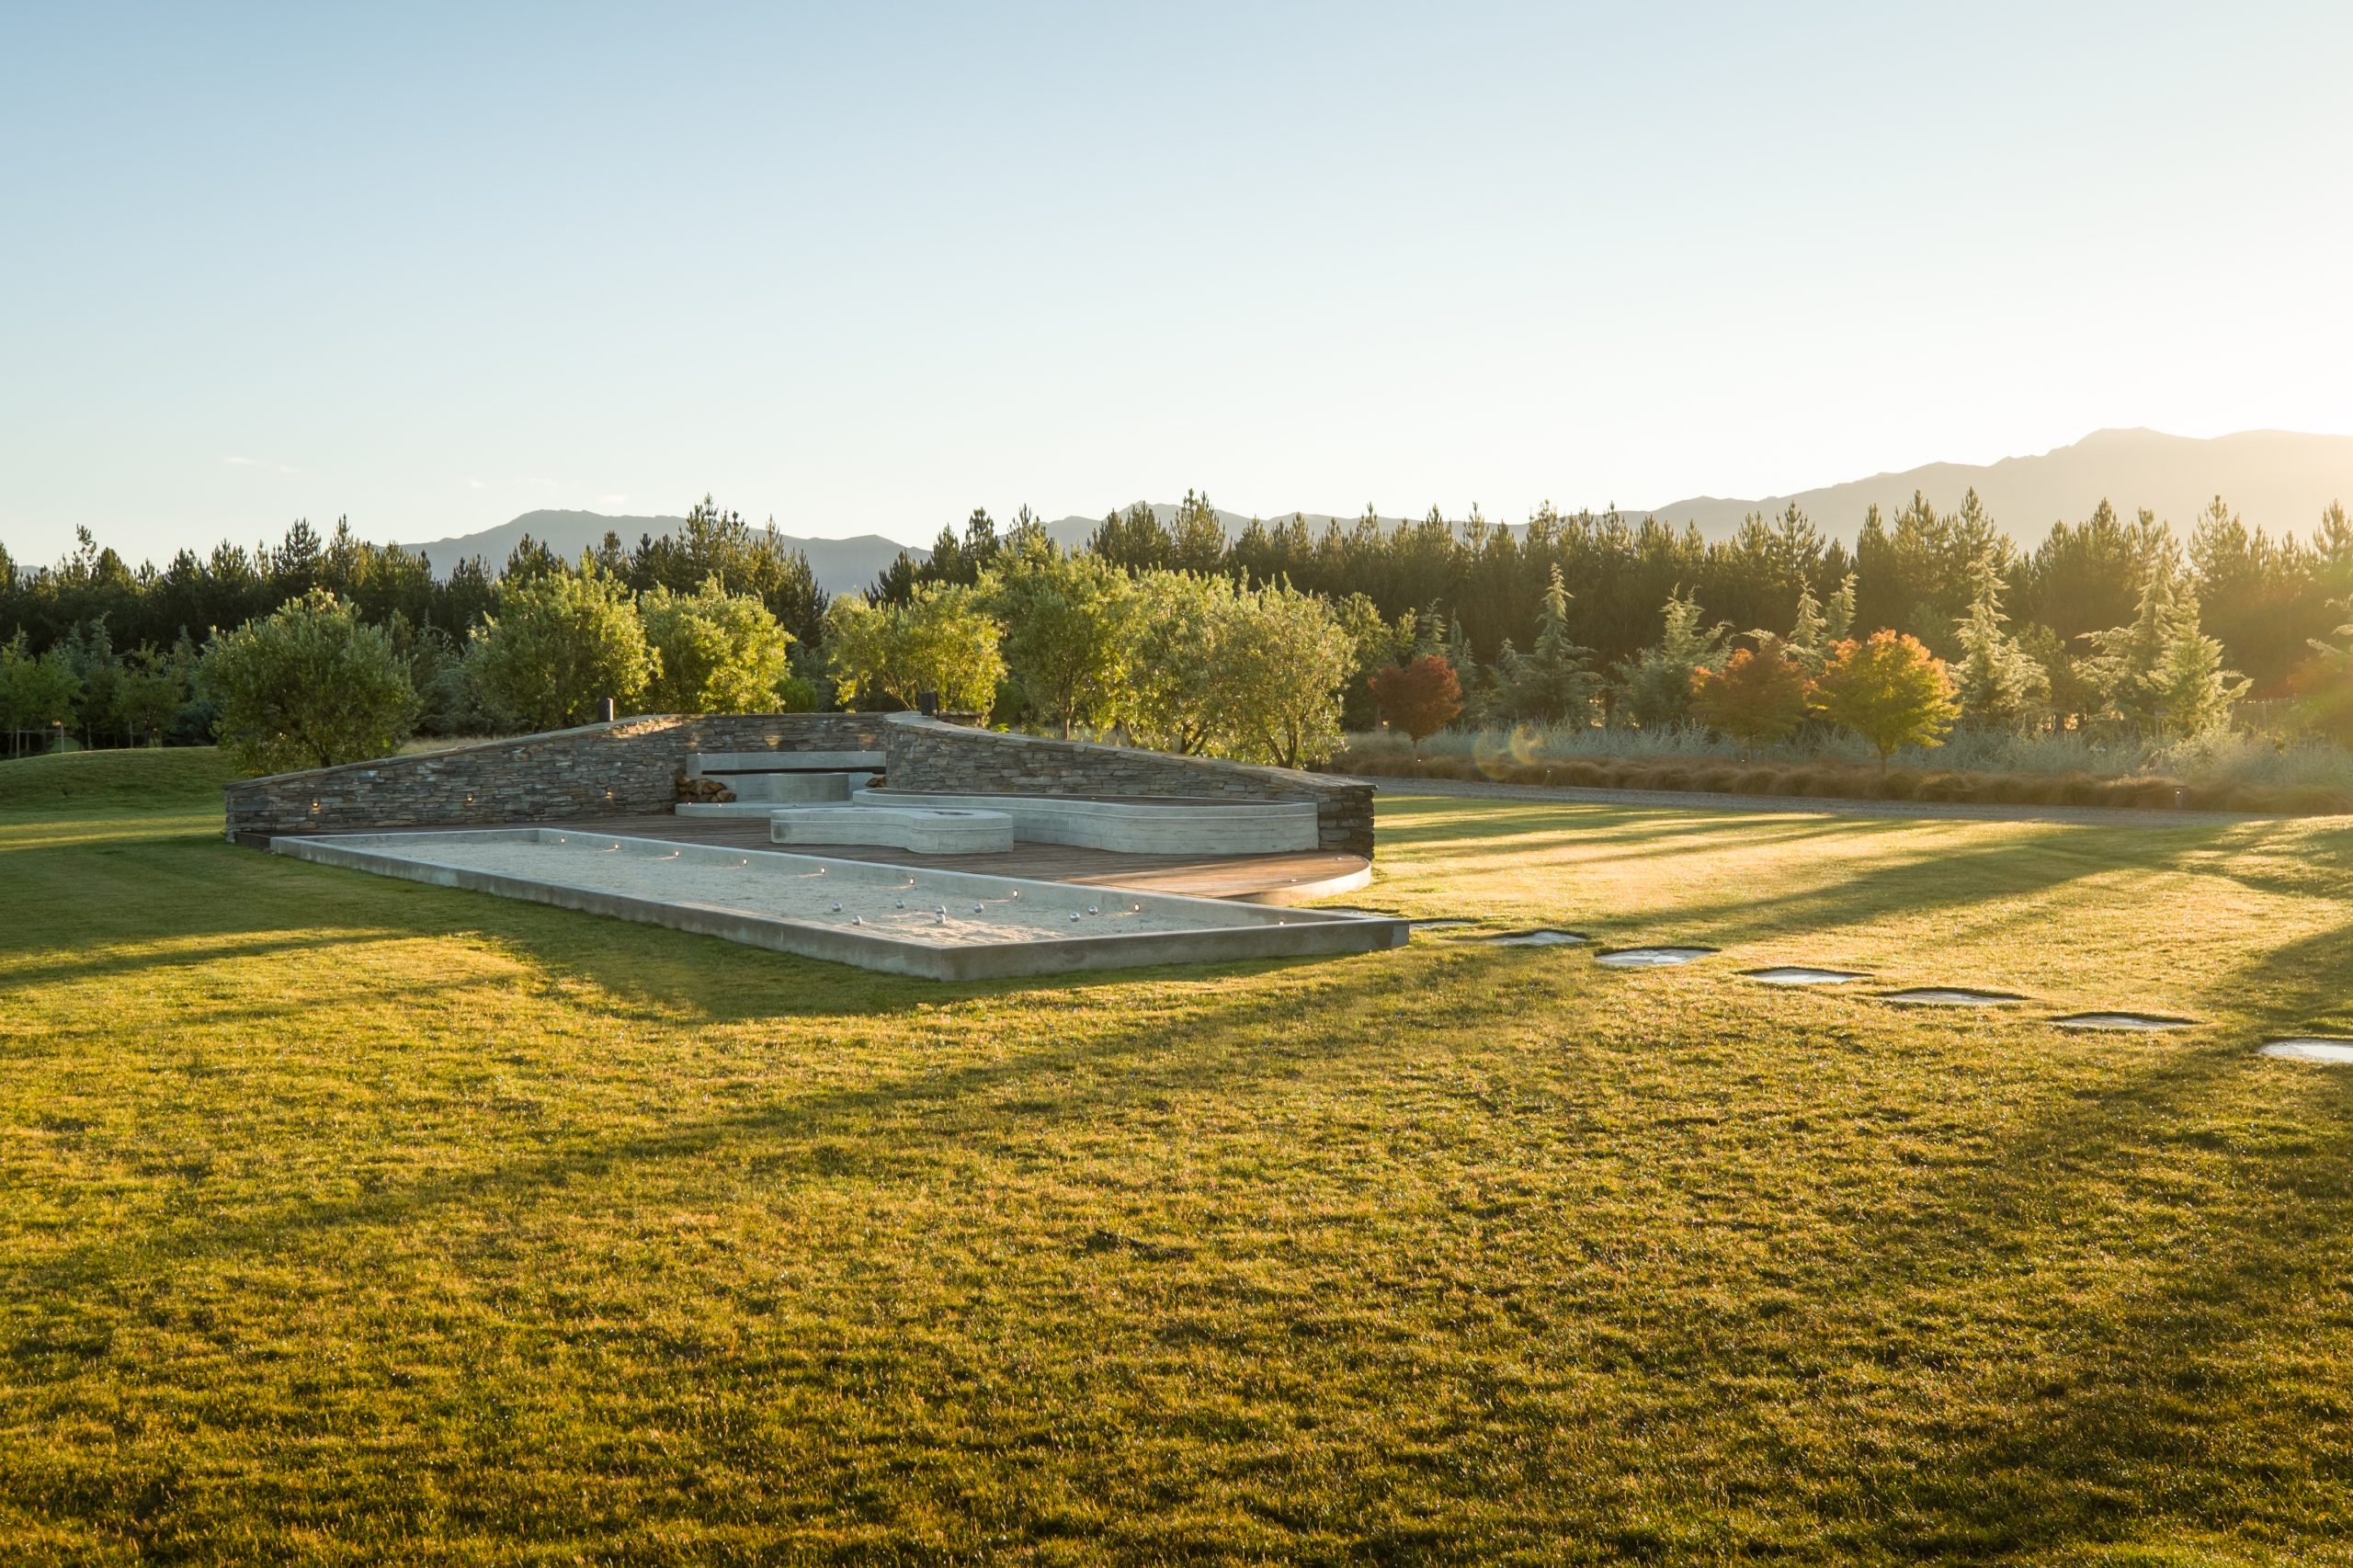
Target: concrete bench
(763, 779)
(1134, 827)
(923, 830)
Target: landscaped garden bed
(1494, 758)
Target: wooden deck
(1263, 879)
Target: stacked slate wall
(631, 766)
(925, 754)
(625, 766)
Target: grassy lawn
(350, 1220)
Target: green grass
(351, 1219)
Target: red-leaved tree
(1757, 698)
(1420, 698)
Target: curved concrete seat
(1135, 828)
(924, 830)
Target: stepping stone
(1651, 958)
(1797, 974)
(2147, 1022)
(1542, 938)
(1950, 996)
(2337, 1052)
(1439, 923)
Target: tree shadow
(1223, 1044)
(231, 904)
(2094, 1407)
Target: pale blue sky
(865, 268)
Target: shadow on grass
(1233, 1039)
(184, 903)
(2082, 1437)
(1457, 829)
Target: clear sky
(863, 267)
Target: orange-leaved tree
(1889, 690)
(1421, 698)
(1759, 697)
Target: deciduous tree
(941, 640)
(718, 652)
(1065, 639)
(150, 694)
(1889, 690)
(1759, 697)
(560, 644)
(1279, 662)
(35, 693)
(1420, 697)
(1176, 622)
(308, 686)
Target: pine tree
(1655, 687)
(2326, 701)
(1553, 683)
(1478, 683)
(1998, 684)
(1429, 636)
(2125, 658)
(2189, 691)
(2162, 673)
(1838, 619)
(1808, 641)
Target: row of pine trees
(1563, 617)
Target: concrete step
(921, 830)
(1134, 827)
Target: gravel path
(1707, 801)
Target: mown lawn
(350, 1220)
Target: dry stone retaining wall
(926, 755)
(628, 766)
(631, 766)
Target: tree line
(110, 650)
(1579, 618)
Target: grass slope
(352, 1219)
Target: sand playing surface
(878, 901)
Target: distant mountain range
(2279, 479)
(839, 564)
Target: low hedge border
(1845, 781)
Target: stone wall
(625, 766)
(630, 766)
(926, 755)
